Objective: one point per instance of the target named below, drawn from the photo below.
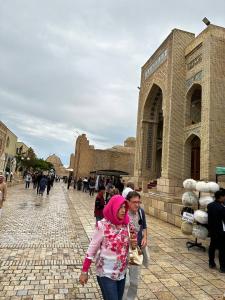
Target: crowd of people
(113, 185)
(40, 181)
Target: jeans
(131, 285)
(111, 289)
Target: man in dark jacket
(99, 204)
(216, 225)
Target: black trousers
(48, 188)
(91, 191)
(217, 243)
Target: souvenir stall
(194, 215)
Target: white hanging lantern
(205, 200)
(213, 186)
(186, 228)
(201, 216)
(189, 184)
(200, 232)
(202, 186)
(189, 199)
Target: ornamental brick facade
(181, 127)
(180, 124)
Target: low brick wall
(163, 206)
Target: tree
(33, 163)
(31, 154)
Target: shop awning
(110, 173)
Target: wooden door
(195, 159)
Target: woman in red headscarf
(109, 246)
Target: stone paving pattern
(43, 242)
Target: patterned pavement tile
(43, 241)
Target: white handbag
(135, 255)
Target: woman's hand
(83, 278)
(144, 242)
(133, 240)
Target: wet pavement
(43, 241)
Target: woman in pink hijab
(109, 246)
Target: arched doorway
(152, 125)
(195, 158)
(192, 157)
(194, 104)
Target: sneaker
(212, 265)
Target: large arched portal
(153, 133)
(192, 157)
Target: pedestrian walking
(216, 226)
(6, 176)
(109, 246)
(129, 188)
(34, 180)
(120, 185)
(74, 183)
(39, 177)
(42, 185)
(3, 193)
(91, 186)
(99, 204)
(108, 188)
(79, 184)
(11, 177)
(85, 184)
(49, 184)
(69, 182)
(28, 180)
(138, 221)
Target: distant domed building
(58, 166)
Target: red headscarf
(111, 209)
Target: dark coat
(216, 217)
(99, 205)
(43, 184)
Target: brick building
(88, 159)
(180, 126)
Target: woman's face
(121, 212)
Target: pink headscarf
(111, 209)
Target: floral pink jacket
(109, 246)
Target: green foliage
(41, 164)
(31, 162)
(31, 154)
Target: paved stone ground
(43, 241)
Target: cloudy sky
(73, 66)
